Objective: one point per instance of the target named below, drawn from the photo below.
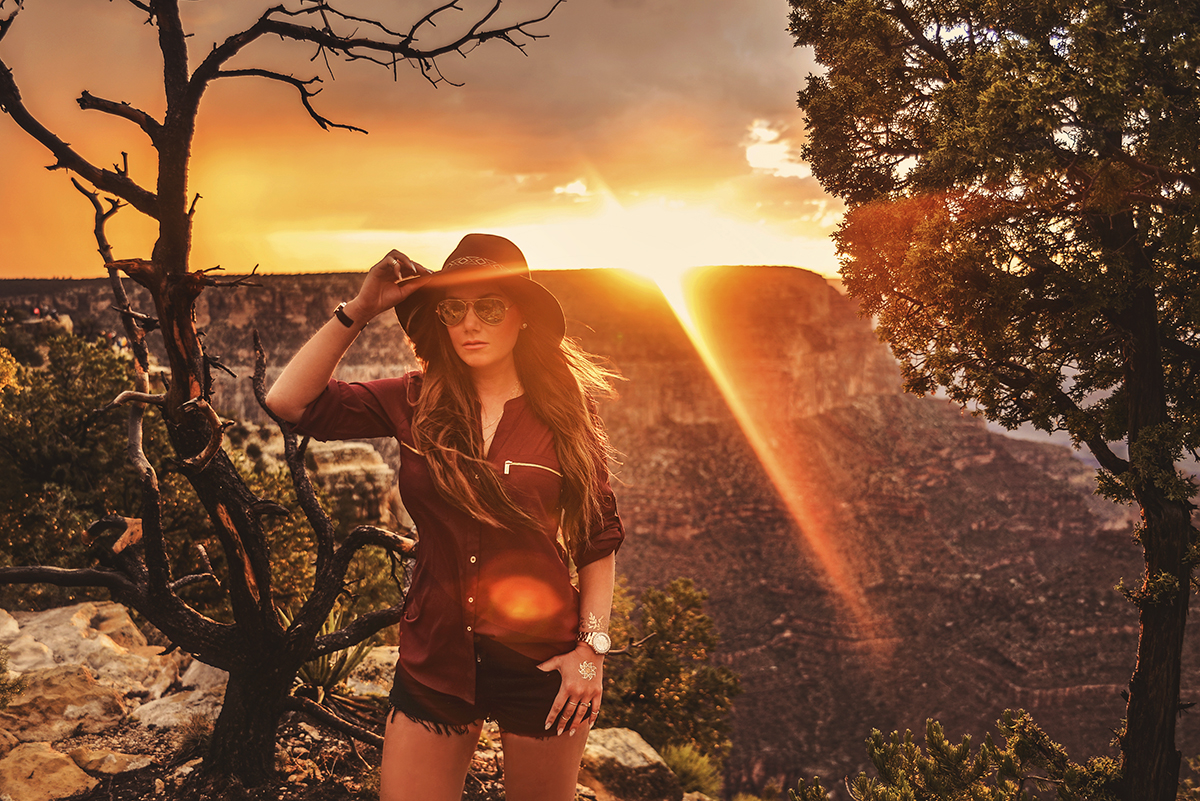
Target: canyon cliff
(872, 559)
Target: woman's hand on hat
(387, 284)
(579, 695)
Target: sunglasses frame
(470, 304)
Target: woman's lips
(474, 344)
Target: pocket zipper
(509, 464)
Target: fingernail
(547, 725)
(572, 733)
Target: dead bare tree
(261, 655)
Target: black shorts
(509, 689)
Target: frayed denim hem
(433, 726)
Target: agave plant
(321, 676)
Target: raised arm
(306, 375)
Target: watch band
(598, 641)
(343, 318)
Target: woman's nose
(470, 320)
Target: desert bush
(65, 466)
(327, 672)
(697, 772)
(1029, 766)
(665, 688)
(192, 737)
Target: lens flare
(755, 401)
(524, 599)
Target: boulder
(8, 627)
(619, 764)
(373, 676)
(26, 654)
(203, 693)
(202, 676)
(108, 762)
(100, 635)
(36, 772)
(60, 702)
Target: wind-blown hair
(562, 384)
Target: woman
(503, 469)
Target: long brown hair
(562, 385)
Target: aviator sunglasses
(489, 310)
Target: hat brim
(536, 302)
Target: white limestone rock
(203, 694)
(107, 762)
(373, 677)
(100, 635)
(8, 628)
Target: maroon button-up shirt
(509, 584)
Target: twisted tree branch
(356, 631)
(306, 495)
(298, 704)
(112, 182)
(151, 126)
(68, 577)
(306, 94)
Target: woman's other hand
(386, 285)
(578, 699)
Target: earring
(524, 325)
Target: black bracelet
(343, 318)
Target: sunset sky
(653, 135)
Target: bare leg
(542, 770)
(420, 765)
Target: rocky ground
(106, 716)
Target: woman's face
(484, 347)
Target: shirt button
(469, 628)
(479, 659)
(470, 600)
(472, 560)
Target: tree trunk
(1151, 759)
(242, 748)
(1150, 769)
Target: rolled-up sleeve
(353, 410)
(607, 531)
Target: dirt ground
(314, 762)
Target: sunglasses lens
(451, 311)
(490, 310)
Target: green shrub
(1027, 767)
(664, 688)
(697, 772)
(65, 466)
(325, 673)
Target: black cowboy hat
(486, 257)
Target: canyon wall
(872, 559)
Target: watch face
(601, 642)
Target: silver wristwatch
(598, 641)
